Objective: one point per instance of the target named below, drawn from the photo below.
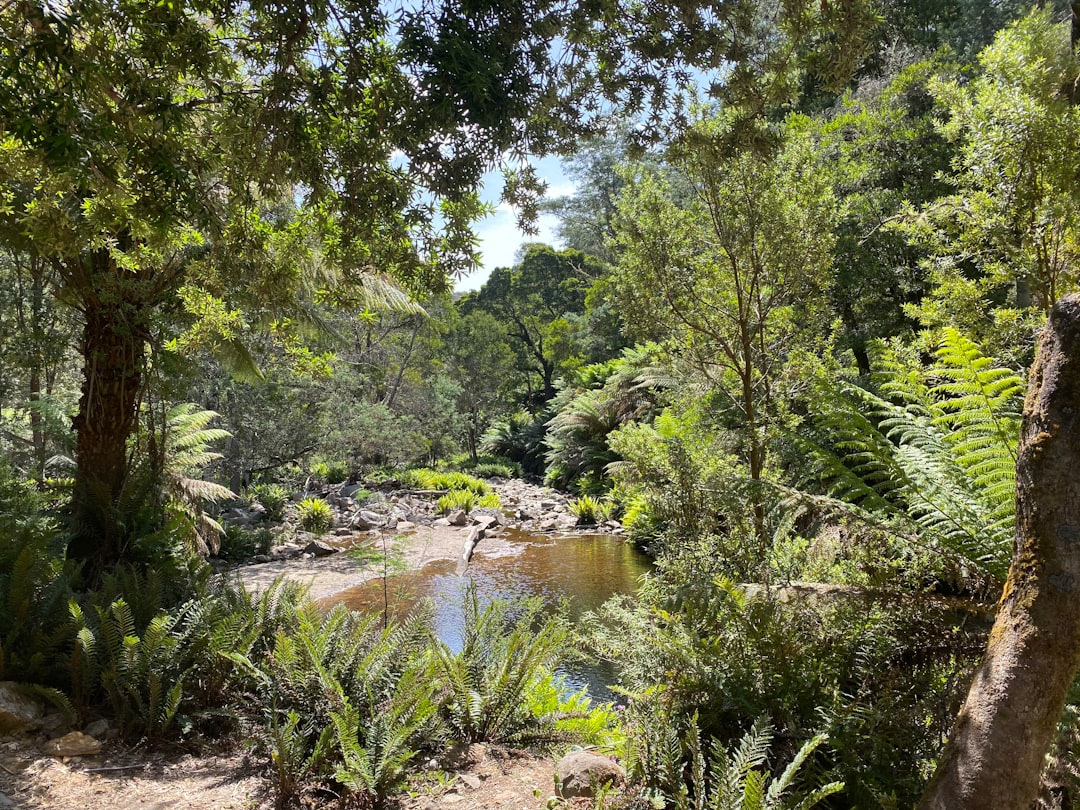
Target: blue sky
(498, 233)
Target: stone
(350, 490)
(344, 531)
(580, 773)
(405, 525)
(98, 728)
(459, 756)
(319, 549)
(485, 521)
(261, 558)
(366, 519)
(441, 522)
(75, 744)
(470, 781)
(458, 517)
(6, 801)
(18, 711)
(55, 724)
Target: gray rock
(5, 801)
(405, 525)
(441, 522)
(580, 773)
(367, 520)
(261, 558)
(458, 517)
(55, 724)
(18, 710)
(350, 490)
(99, 728)
(485, 521)
(319, 549)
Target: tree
(141, 145)
(728, 273)
(532, 300)
(1005, 245)
(995, 753)
(480, 360)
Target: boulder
(405, 525)
(18, 711)
(580, 773)
(458, 517)
(75, 744)
(350, 490)
(366, 519)
(98, 728)
(316, 548)
(485, 521)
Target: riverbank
(402, 532)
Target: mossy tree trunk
(116, 329)
(997, 748)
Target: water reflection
(584, 570)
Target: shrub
(589, 510)
(503, 660)
(424, 478)
(240, 542)
(332, 472)
(273, 498)
(466, 500)
(315, 515)
(496, 469)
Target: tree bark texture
(113, 347)
(1007, 724)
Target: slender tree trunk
(1006, 726)
(113, 345)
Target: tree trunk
(1007, 724)
(113, 345)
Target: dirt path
(498, 780)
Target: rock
(470, 781)
(547, 524)
(55, 724)
(579, 773)
(319, 549)
(75, 744)
(261, 558)
(99, 728)
(344, 531)
(548, 506)
(18, 711)
(405, 525)
(459, 756)
(458, 517)
(365, 520)
(485, 521)
(441, 522)
(350, 490)
(5, 801)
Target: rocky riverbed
(394, 529)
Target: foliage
(589, 510)
(423, 478)
(737, 779)
(881, 677)
(35, 586)
(504, 657)
(241, 542)
(315, 515)
(520, 438)
(466, 500)
(1004, 244)
(332, 472)
(930, 450)
(601, 398)
(273, 498)
(496, 469)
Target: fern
(932, 452)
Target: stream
(583, 569)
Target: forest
(807, 338)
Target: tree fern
(930, 451)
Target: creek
(582, 569)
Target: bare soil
(123, 778)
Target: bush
(332, 472)
(240, 542)
(589, 510)
(466, 500)
(273, 498)
(315, 515)
(424, 478)
(487, 686)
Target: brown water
(584, 570)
